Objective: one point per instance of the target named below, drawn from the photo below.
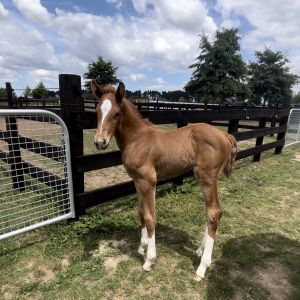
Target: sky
(152, 42)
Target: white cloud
(159, 80)
(271, 19)
(3, 11)
(140, 42)
(24, 49)
(68, 41)
(137, 76)
(189, 15)
(118, 3)
(33, 11)
(140, 5)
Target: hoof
(197, 278)
(147, 267)
(148, 263)
(200, 271)
(141, 251)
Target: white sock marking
(206, 257)
(105, 108)
(151, 253)
(144, 241)
(200, 250)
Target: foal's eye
(117, 115)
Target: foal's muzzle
(101, 144)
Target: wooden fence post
(9, 94)
(71, 102)
(259, 139)
(15, 159)
(281, 135)
(273, 123)
(286, 104)
(233, 126)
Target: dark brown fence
(78, 119)
(79, 116)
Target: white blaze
(105, 108)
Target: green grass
(256, 254)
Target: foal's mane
(135, 110)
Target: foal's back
(175, 152)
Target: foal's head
(108, 112)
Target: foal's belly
(169, 166)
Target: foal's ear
(120, 93)
(96, 89)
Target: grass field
(256, 254)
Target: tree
(40, 91)
(296, 98)
(27, 92)
(3, 94)
(175, 96)
(152, 95)
(104, 72)
(270, 80)
(220, 71)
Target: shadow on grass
(172, 238)
(263, 266)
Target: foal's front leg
(146, 194)
(144, 234)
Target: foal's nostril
(100, 143)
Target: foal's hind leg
(209, 179)
(146, 191)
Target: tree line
(38, 92)
(220, 75)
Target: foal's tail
(232, 155)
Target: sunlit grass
(256, 254)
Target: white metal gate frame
(293, 126)
(44, 113)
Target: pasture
(256, 254)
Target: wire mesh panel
(35, 171)
(293, 131)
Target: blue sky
(152, 42)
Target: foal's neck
(131, 126)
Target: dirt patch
(111, 263)
(104, 177)
(47, 274)
(5, 292)
(296, 157)
(105, 246)
(65, 263)
(44, 275)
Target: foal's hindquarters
(213, 153)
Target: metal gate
(35, 171)
(293, 131)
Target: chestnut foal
(151, 154)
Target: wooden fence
(77, 119)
